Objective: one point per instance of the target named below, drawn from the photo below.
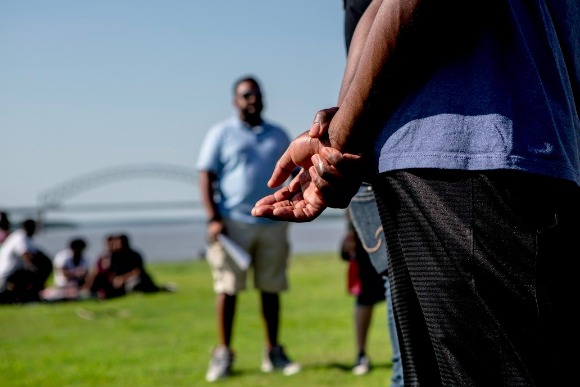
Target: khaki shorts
(270, 250)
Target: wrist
(215, 218)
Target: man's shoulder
(275, 128)
(17, 236)
(274, 125)
(226, 124)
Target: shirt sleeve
(60, 259)
(22, 245)
(209, 155)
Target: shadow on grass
(347, 368)
(344, 367)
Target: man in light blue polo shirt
(236, 160)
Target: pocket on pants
(216, 255)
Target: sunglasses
(249, 94)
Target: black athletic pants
(483, 269)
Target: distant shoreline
(69, 224)
(164, 239)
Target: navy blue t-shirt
(481, 85)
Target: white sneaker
(362, 366)
(220, 364)
(276, 359)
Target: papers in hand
(239, 255)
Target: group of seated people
(120, 270)
(25, 270)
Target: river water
(183, 239)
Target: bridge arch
(53, 197)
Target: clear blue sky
(88, 85)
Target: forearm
(68, 274)
(129, 275)
(206, 183)
(357, 121)
(74, 273)
(357, 42)
(27, 258)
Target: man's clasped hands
(329, 177)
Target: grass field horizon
(165, 339)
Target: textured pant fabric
(482, 269)
(367, 223)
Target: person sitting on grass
(121, 270)
(70, 272)
(129, 268)
(24, 268)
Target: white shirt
(11, 254)
(63, 260)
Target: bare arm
(355, 124)
(322, 119)
(207, 186)
(120, 280)
(356, 46)
(207, 181)
(28, 258)
(75, 273)
(333, 179)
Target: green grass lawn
(165, 339)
